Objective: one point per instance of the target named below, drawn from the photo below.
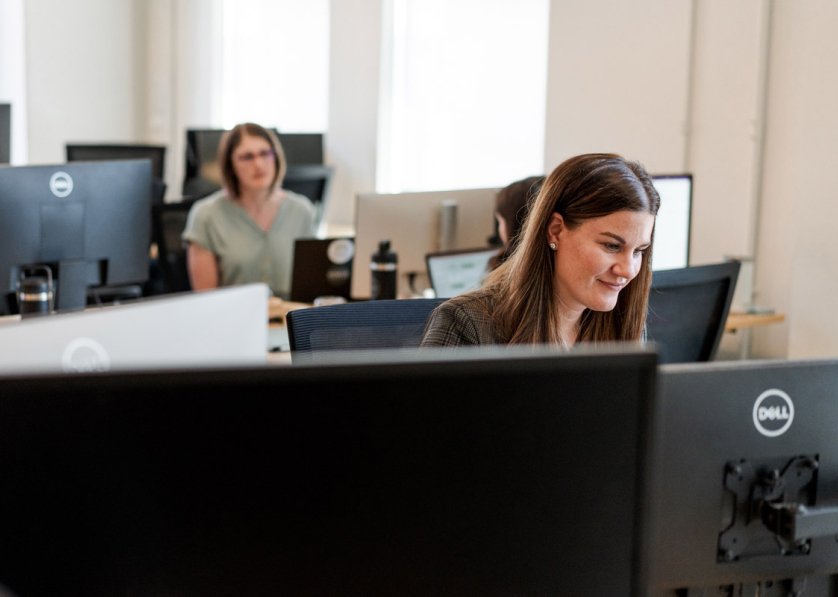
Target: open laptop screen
(454, 272)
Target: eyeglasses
(249, 157)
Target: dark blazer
(465, 321)
(462, 321)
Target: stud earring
(553, 246)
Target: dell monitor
(672, 225)
(220, 327)
(5, 133)
(512, 474)
(417, 224)
(89, 221)
(745, 480)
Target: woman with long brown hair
(581, 271)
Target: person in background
(581, 271)
(246, 232)
(511, 209)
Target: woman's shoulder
(462, 320)
(298, 201)
(215, 202)
(477, 302)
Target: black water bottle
(383, 267)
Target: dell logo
(85, 355)
(773, 413)
(61, 184)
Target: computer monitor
(90, 221)
(203, 175)
(417, 224)
(672, 225)
(5, 133)
(512, 474)
(83, 152)
(224, 327)
(688, 309)
(455, 272)
(723, 519)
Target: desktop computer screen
(417, 224)
(5, 133)
(203, 175)
(455, 272)
(86, 152)
(745, 490)
(504, 473)
(672, 226)
(89, 221)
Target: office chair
(168, 221)
(313, 181)
(688, 309)
(353, 326)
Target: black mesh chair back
(688, 309)
(353, 326)
(313, 181)
(168, 222)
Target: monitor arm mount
(769, 509)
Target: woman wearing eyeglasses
(246, 232)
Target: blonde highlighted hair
(525, 309)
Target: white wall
(796, 269)
(618, 81)
(81, 69)
(13, 74)
(352, 137)
(725, 135)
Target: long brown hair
(525, 303)
(230, 140)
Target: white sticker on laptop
(341, 251)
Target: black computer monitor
(721, 514)
(510, 475)
(84, 152)
(202, 175)
(5, 133)
(688, 309)
(90, 221)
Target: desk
(277, 330)
(738, 321)
(745, 322)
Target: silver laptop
(455, 272)
(227, 327)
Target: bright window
(275, 69)
(464, 87)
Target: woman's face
(595, 260)
(253, 163)
(503, 232)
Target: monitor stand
(73, 277)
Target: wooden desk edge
(738, 321)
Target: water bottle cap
(384, 254)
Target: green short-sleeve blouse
(244, 252)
